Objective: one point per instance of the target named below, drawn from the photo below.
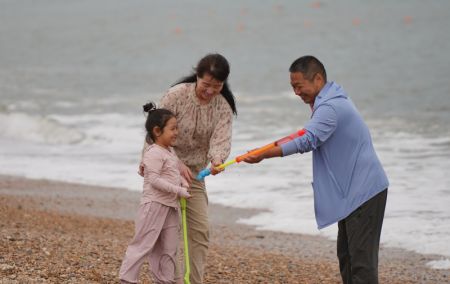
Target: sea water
(74, 77)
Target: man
(349, 183)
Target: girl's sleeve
(144, 148)
(220, 142)
(153, 167)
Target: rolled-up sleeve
(321, 126)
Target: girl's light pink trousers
(156, 239)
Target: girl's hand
(141, 169)
(214, 168)
(184, 193)
(186, 172)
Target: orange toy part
(271, 145)
(256, 152)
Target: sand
(55, 232)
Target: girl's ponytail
(157, 117)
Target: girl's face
(207, 87)
(168, 136)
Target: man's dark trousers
(358, 241)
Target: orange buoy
(307, 23)
(316, 4)
(178, 31)
(407, 20)
(356, 21)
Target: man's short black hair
(309, 66)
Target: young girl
(157, 223)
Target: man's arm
(318, 130)
(321, 126)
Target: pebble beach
(55, 232)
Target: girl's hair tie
(149, 107)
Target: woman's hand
(184, 182)
(141, 169)
(186, 172)
(214, 168)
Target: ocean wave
(40, 129)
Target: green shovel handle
(185, 240)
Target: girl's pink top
(162, 179)
(204, 131)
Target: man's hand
(254, 159)
(274, 152)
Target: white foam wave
(21, 126)
(439, 264)
(417, 211)
(249, 98)
(108, 155)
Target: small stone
(9, 238)
(6, 267)
(46, 251)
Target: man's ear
(319, 80)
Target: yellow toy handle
(187, 268)
(206, 172)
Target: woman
(203, 105)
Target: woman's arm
(220, 142)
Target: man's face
(307, 90)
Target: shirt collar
(322, 94)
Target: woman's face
(207, 87)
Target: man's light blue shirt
(346, 169)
